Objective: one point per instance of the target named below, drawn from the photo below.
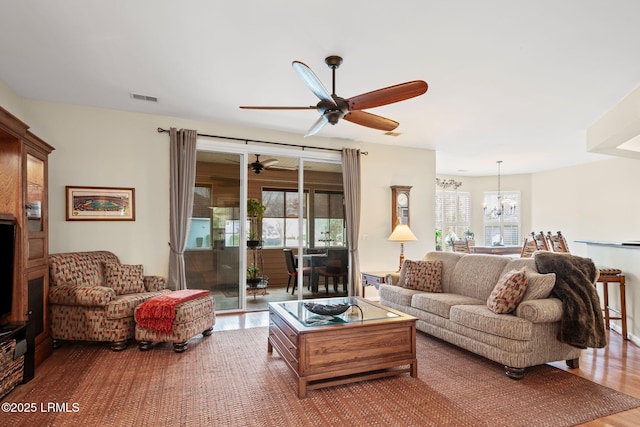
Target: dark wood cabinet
(16, 361)
(24, 198)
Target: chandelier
(446, 184)
(502, 207)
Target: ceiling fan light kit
(257, 167)
(332, 108)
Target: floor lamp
(402, 233)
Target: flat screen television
(7, 254)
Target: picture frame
(100, 203)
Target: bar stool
(613, 275)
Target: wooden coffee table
(354, 346)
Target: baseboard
(618, 329)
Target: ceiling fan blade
(371, 120)
(317, 126)
(312, 81)
(249, 107)
(388, 95)
(269, 162)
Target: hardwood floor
(616, 366)
(254, 319)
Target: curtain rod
(247, 141)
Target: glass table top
(360, 311)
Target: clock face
(403, 200)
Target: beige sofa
(459, 315)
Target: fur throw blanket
(582, 324)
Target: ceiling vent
(144, 97)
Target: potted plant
(470, 237)
(253, 275)
(438, 239)
(253, 241)
(255, 211)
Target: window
(502, 226)
(453, 216)
(328, 219)
(280, 220)
(226, 225)
(200, 227)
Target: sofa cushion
(422, 275)
(449, 261)
(508, 292)
(441, 304)
(79, 268)
(476, 275)
(396, 294)
(518, 264)
(124, 279)
(539, 286)
(124, 305)
(480, 318)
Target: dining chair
(529, 246)
(292, 270)
(557, 242)
(336, 266)
(542, 243)
(461, 246)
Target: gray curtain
(351, 184)
(182, 179)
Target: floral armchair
(92, 297)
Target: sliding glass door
(240, 256)
(325, 251)
(212, 256)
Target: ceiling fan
(258, 165)
(332, 108)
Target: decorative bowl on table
(326, 309)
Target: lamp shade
(402, 233)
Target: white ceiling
(518, 81)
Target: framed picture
(100, 204)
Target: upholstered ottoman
(175, 317)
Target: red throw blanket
(159, 312)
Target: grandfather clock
(399, 205)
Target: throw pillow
(539, 286)
(124, 279)
(508, 292)
(422, 275)
(403, 273)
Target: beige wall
(383, 167)
(597, 201)
(10, 101)
(102, 147)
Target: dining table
(496, 249)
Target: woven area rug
(229, 379)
